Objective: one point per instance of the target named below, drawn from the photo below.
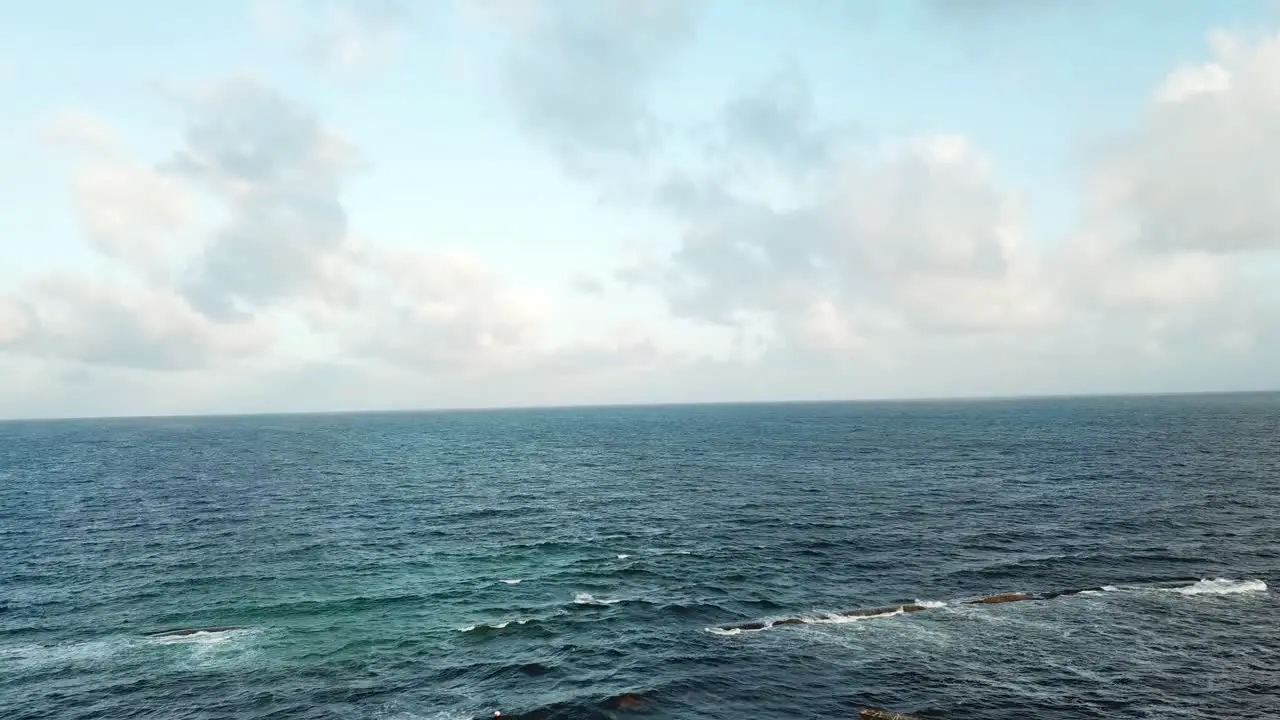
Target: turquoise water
(584, 563)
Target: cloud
(767, 142)
(98, 322)
(1178, 244)
(514, 15)
(281, 250)
(134, 214)
(905, 266)
(337, 35)
(923, 242)
(81, 131)
(585, 284)
(986, 10)
(579, 75)
(279, 174)
(434, 312)
(779, 124)
(1197, 175)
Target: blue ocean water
(580, 563)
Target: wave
(103, 650)
(338, 605)
(586, 598)
(82, 653)
(495, 625)
(512, 582)
(1219, 586)
(199, 636)
(1222, 586)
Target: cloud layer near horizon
(230, 275)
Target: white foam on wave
(845, 619)
(85, 652)
(495, 625)
(512, 582)
(827, 619)
(1222, 586)
(406, 715)
(624, 556)
(200, 637)
(931, 604)
(202, 646)
(584, 598)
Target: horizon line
(899, 400)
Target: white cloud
(81, 130)
(516, 15)
(1182, 210)
(579, 75)
(279, 174)
(908, 268)
(338, 35)
(98, 322)
(434, 312)
(282, 249)
(1197, 174)
(922, 242)
(925, 241)
(134, 214)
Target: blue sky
(281, 205)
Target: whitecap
(843, 619)
(1222, 586)
(584, 598)
(624, 556)
(74, 653)
(931, 604)
(512, 582)
(495, 625)
(200, 637)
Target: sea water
(583, 563)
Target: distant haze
(281, 205)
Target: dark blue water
(368, 564)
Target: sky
(325, 205)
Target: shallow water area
(585, 563)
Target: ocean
(733, 561)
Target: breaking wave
(1222, 586)
(1218, 586)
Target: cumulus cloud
(279, 174)
(281, 247)
(579, 75)
(131, 212)
(1181, 212)
(433, 312)
(987, 9)
(922, 242)
(337, 35)
(134, 214)
(99, 322)
(866, 262)
(778, 124)
(81, 130)
(1197, 174)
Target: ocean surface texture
(589, 563)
